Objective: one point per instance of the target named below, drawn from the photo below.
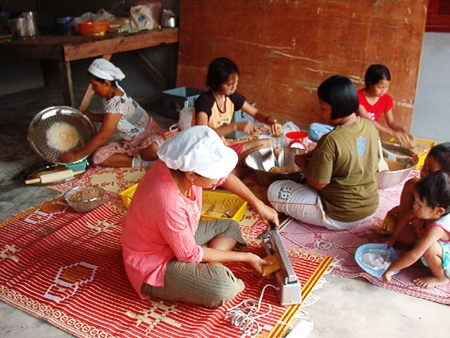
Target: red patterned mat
(66, 268)
(342, 246)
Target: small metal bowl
(169, 22)
(264, 159)
(85, 198)
(400, 160)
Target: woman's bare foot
(430, 281)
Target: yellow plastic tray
(127, 194)
(222, 205)
(423, 156)
(232, 206)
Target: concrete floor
(344, 308)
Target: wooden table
(67, 48)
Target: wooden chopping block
(53, 177)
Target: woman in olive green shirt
(341, 190)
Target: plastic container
(127, 195)
(299, 139)
(174, 100)
(91, 28)
(79, 165)
(216, 204)
(64, 24)
(222, 205)
(29, 25)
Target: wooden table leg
(46, 66)
(66, 82)
(151, 70)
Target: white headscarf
(201, 150)
(105, 70)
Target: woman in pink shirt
(167, 253)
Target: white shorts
(303, 202)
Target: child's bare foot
(430, 281)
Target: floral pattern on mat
(342, 246)
(111, 179)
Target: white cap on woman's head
(105, 70)
(201, 150)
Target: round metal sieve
(37, 131)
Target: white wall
(431, 117)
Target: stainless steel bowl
(37, 131)
(84, 198)
(400, 160)
(264, 159)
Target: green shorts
(206, 284)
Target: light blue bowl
(376, 248)
(77, 166)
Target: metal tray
(37, 131)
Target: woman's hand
(405, 139)
(257, 263)
(70, 156)
(245, 126)
(268, 214)
(275, 128)
(302, 160)
(235, 185)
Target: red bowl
(297, 135)
(91, 28)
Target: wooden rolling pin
(53, 177)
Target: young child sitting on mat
(438, 158)
(215, 107)
(140, 135)
(431, 207)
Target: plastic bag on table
(145, 15)
(103, 15)
(85, 17)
